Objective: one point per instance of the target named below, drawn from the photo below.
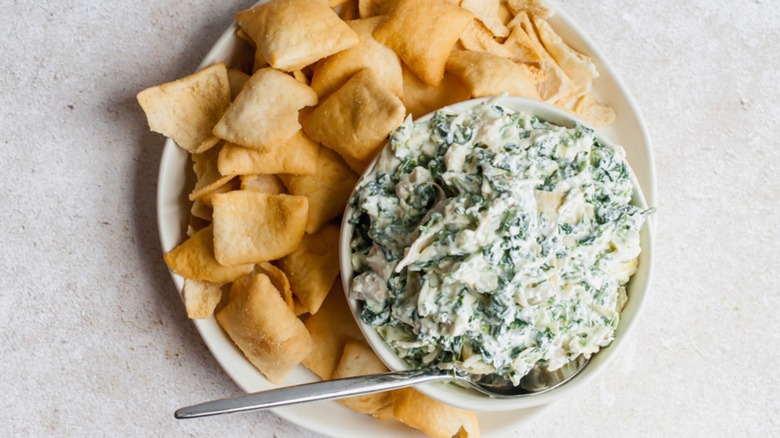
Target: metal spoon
(536, 382)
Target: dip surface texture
(491, 242)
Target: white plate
(330, 418)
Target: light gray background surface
(94, 339)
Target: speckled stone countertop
(95, 341)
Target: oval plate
(330, 418)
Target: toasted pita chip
(330, 329)
(373, 8)
(232, 184)
(331, 73)
(270, 184)
(187, 109)
(355, 120)
(421, 98)
(487, 11)
(313, 266)
(209, 178)
(262, 326)
(327, 190)
(279, 280)
(265, 112)
(359, 360)
(297, 156)
(237, 80)
(536, 8)
(201, 210)
(241, 33)
(593, 112)
(253, 227)
(521, 48)
(385, 413)
(434, 418)
(478, 38)
(350, 11)
(423, 33)
(201, 297)
(195, 259)
(504, 13)
(258, 61)
(300, 76)
(291, 34)
(334, 3)
(489, 75)
(556, 85)
(578, 67)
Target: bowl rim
(466, 398)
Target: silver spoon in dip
(536, 382)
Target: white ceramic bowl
(468, 398)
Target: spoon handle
(309, 392)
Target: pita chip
(264, 328)
(423, 33)
(331, 73)
(265, 112)
(187, 109)
(291, 34)
(489, 75)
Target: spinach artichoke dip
(489, 241)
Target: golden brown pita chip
(209, 178)
(359, 360)
(557, 84)
(232, 184)
(195, 259)
(578, 67)
(262, 326)
(423, 33)
(201, 210)
(536, 8)
(334, 3)
(372, 8)
(331, 73)
(279, 280)
(434, 418)
(237, 80)
(258, 62)
(291, 34)
(421, 98)
(478, 38)
(521, 48)
(270, 184)
(241, 33)
(196, 223)
(355, 120)
(487, 11)
(313, 266)
(253, 227)
(300, 76)
(327, 190)
(593, 112)
(297, 156)
(385, 413)
(265, 112)
(201, 297)
(187, 109)
(504, 13)
(489, 75)
(330, 329)
(350, 11)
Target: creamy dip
(491, 241)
